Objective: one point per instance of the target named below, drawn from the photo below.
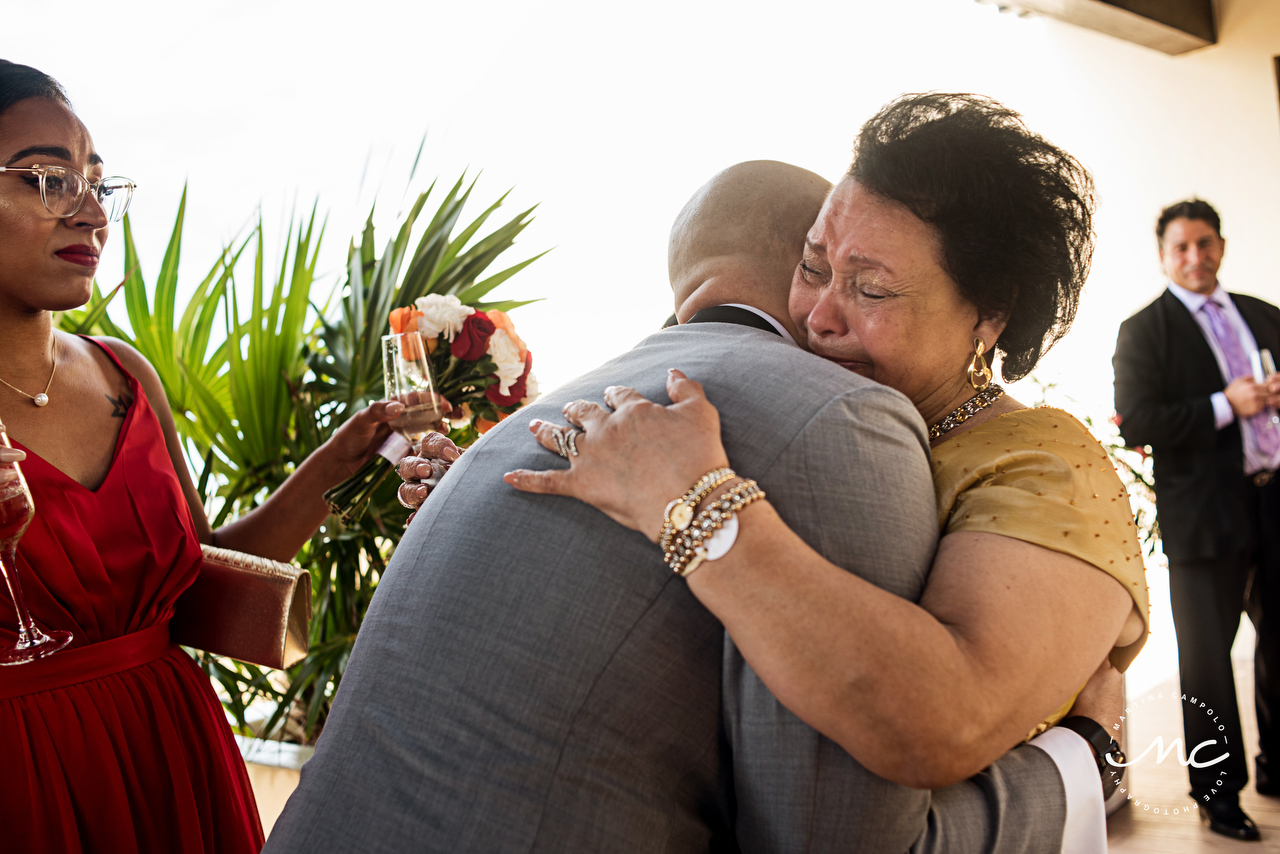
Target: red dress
(117, 743)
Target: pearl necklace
(41, 399)
(966, 410)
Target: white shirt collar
(1195, 301)
(782, 330)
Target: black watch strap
(1099, 739)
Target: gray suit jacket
(530, 677)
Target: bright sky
(610, 115)
(606, 115)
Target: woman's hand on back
(435, 453)
(634, 460)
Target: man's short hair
(1189, 209)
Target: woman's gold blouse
(1039, 476)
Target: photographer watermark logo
(1168, 746)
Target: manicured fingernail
(535, 423)
(395, 407)
(611, 389)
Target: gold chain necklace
(42, 398)
(966, 410)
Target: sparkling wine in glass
(1268, 368)
(16, 511)
(408, 377)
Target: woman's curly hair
(1013, 212)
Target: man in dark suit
(1188, 383)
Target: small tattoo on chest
(119, 405)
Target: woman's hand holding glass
(356, 441)
(16, 512)
(632, 461)
(9, 474)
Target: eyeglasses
(63, 190)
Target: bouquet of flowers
(482, 368)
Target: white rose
(532, 392)
(441, 314)
(506, 355)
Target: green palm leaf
(259, 376)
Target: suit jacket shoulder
(529, 675)
(1263, 320)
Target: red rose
(472, 341)
(518, 390)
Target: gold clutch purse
(245, 607)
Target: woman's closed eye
(872, 288)
(810, 272)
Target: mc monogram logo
(1204, 755)
(1162, 752)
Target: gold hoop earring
(979, 373)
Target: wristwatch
(1100, 740)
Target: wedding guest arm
(284, 522)
(1016, 805)
(924, 694)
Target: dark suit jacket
(1165, 375)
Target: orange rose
(404, 319)
(502, 320)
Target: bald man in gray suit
(530, 676)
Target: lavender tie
(1264, 433)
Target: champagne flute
(1268, 369)
(407, 372)
(1264, 366)
(16, 512)
(408, 378)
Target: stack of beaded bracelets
(679, 513)
(687, 550)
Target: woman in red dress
(117, 743)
